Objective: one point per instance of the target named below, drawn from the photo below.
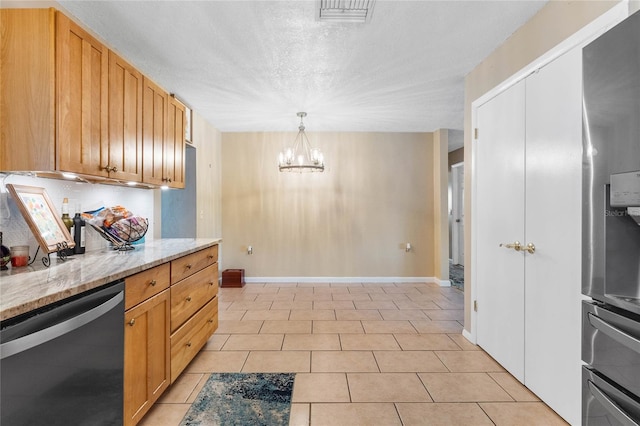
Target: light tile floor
(365, 354)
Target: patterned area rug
(456, 276)
(242, 399)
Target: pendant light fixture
(301, 157)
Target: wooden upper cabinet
(163, 124)
(175, 146)
(154, 132)
(82, 77)
(124, 158)
(27, 86)
(69, 104)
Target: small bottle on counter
(78, 232)
(68, 222)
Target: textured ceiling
(251, 65)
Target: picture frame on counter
(42, 218)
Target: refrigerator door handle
(611, 406)
(615, 333)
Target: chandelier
(301, 157)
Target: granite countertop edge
(24, 289)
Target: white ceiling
(251, 65)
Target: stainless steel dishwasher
(63, 364)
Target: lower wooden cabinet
(187, 341)
(171, 311)
(147, 355)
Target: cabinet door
(553, 225)
(500, 212)
(82, 72)
(27, 94)
(147, 355)
(174, 151)
(124, 156)
(154, 132)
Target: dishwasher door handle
(29, 341)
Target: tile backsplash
(85, 195)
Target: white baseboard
(346, 280)
(443, 283)
(468, 336)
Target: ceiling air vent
(345, 10)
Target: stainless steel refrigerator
(611, 227)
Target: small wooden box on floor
(233, 278)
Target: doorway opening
(456, 225)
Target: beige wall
(208, 142)
(353, 220)
(441, 204)
(556, 21)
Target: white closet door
(500, 213)
(552, 221)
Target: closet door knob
(515, 245)
(530, 248)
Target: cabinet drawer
(192, 263)
(191, 337)
(143, 285)
(190, 294)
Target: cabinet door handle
(132, 321)
(153, 283)
(188, 299)
(210, 282)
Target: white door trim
(457, 213)
(590, 31)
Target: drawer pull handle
(610, 405)
(210, 282)
(189, 344)
(152, 282)
(211, 256)
(188, 299)
(210, 321)
(614, 333)
(188, 266)
(132, 321)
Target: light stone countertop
(28, 288)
